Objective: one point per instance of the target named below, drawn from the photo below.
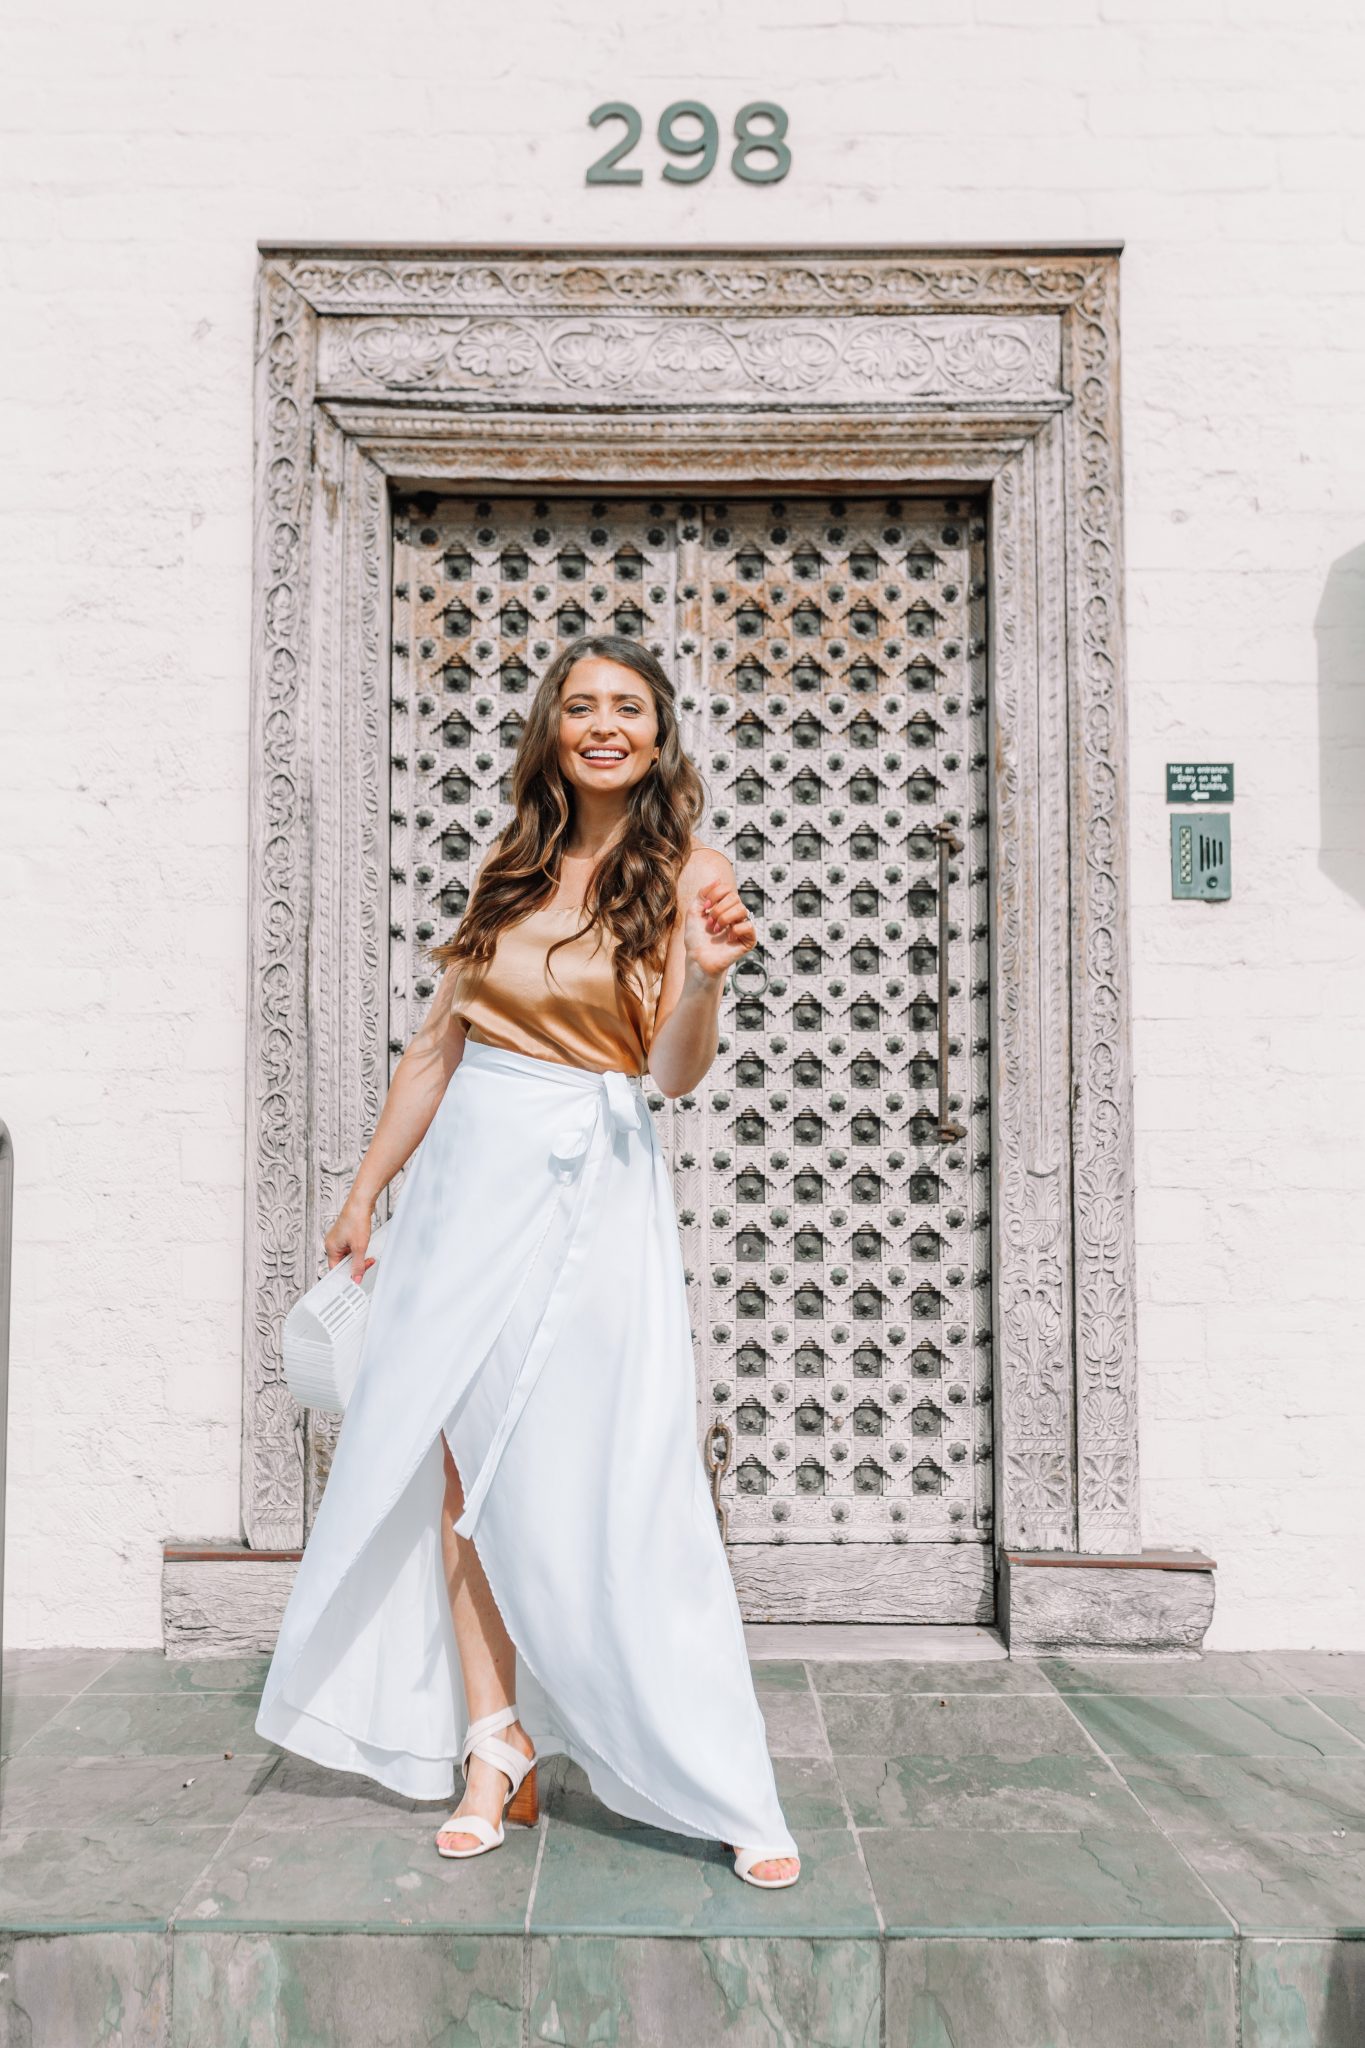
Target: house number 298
(760, 131)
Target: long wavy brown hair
(633, 891)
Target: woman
(528, 1334)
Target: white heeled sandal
(521, 1803)
(745, 1859)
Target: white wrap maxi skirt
(530, 1306)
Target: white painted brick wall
(147, 146)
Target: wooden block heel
(524, 1806)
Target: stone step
(995, 1851)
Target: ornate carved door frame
(995, 371)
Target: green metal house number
(767, 143)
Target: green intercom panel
(1201, 856)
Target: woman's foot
(772, 1870)
(485, 1791)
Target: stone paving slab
(372, 1879)
(623, 1880)
(59, 1881)
(1218, 1671)
(1284, 1884)
(793, 1723)
(747, 1991)
(143, 1671)
(331, 1990)
(1078, 1881)
(23, 1714)
(93, 1793)
(780, 1674)
(296, 1794)
(1348, 1710)
(1220, 1796)
(1315, 1671)
(1302, 1994)
(177, 1724)
(61, 1673)
(1060, 1994)
(940, 1680)
(957, 1724)
(79, 1990)
(991, 1792)
(1045, 1853)
(1257, 1725)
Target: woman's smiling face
(608, 726)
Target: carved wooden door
(832, 1170)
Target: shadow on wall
(1340, 630)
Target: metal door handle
(716, 1464)
(948, 844)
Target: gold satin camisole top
(571, 1010)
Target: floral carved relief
(548, 282)
(856, 358)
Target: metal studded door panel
(484, 594)
(832, 1168)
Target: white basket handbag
(324, 1334)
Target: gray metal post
(6, 1237)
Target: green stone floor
(1049, 1854)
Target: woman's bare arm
(419, 1081)
(712, 930)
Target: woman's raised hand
(348, 1238)
(717, 930)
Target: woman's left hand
(717, 930)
